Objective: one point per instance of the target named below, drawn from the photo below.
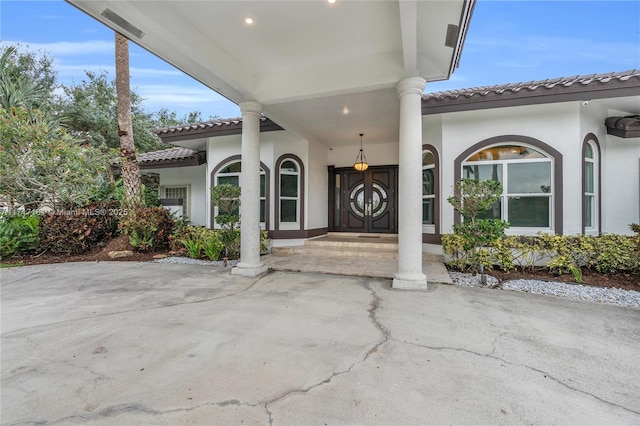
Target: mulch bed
(120, 243)
(624, 281)
(99, 254)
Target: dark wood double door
(363, 201)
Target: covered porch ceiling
(324, 71)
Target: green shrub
(211, 244)
(613, 253)
(230, 239)
(561, 254)
(76, 230)
(18, 233)
(193, 246)
(148, 228)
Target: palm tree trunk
(128, 161)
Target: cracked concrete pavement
(145, 343)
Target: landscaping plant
(226, 198)
(18, 233)
(471, 198)
(75, 230)
(148, 228)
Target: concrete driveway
(143, 343)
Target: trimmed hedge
(606, 254)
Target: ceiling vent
(122, 23)
(452, 36)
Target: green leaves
(41, 163)
(18, 233)
(472, 197)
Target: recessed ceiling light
(345, 110)
(331, 1)
(248, 21)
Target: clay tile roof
(172, 157)
(171, 154)
(593, 86)
(219, 127)
(226, 122)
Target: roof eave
(528, 97)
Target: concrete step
(348, 251)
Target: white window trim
(263, 225)
(429, 228)
(503, 198)
(593, 229)
(286, 226)
(162, 189)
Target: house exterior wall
(317, 187)
(620, 169)
(377, 155)
(195, 177)
(556, 125)
(273, 146)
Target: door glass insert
(356, 200)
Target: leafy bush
(198, 240)
(148, 228)
(76, 230)
(211, 244)
(18, 233)
(471, 198)
(42, 163)
(561, 254)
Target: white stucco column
(409, 275)
(249, 264)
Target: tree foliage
(42, 163)
(89, 109)
(27, 79)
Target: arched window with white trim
(289, 193)
(591, 186)
(229, 171)
(526, 175)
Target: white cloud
(70, 48)
(186, 98)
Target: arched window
(229, 171)
(289, 187)
(591, 185)
(526, 175)
(428, 188)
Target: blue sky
(508, 41)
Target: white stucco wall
(272, 146)
(620, 168)
(377, 154)
(317, 190)
(556, 125)
(194, 177)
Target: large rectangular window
(526, 178)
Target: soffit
(299, 54)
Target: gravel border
(615, 296)
(189, 261)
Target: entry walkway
(352, 254)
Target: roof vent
(122, 23)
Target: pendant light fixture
(361, 161)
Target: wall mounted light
(361, 161)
